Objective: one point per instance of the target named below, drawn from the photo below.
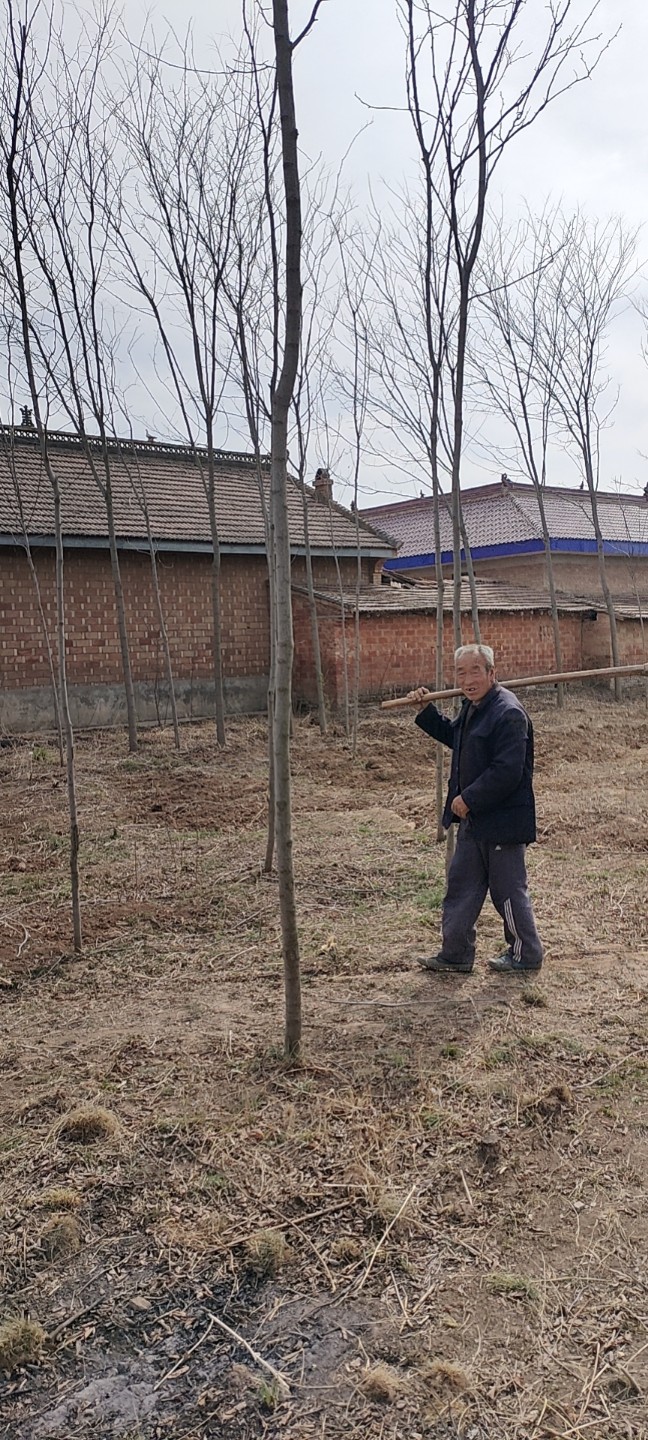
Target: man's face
(473, 678)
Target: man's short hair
(485, 651)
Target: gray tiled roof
(492, 595)
(499, 515)
(175, 498)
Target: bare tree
(281, 400)
(319, 234)
(9, 452)
(581, 291)
(189, 137)
(413, 317)
(473, 87)
(355, 381)
(19, 75)
(130, 461)
(509, 340)
(64, 177)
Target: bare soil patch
(436, 1226)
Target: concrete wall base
(103, 706)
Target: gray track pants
(477, 868)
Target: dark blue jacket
(496, 766)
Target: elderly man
(490, 797)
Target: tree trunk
(280, 407)
(555, 618)
(440, 617)
(356, 633)
(121, 619)
(217, 628)
(312, 606)
(164, 636)
(609, 603)
(281, 727)
(343, 640)
(48, 650)
(17, 123)
(474, 603)
(67, 727)
(272, 690)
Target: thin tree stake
(384, 1237)
(265, 1364)
(465, 1186)
(183, 1358)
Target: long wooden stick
(404, 701)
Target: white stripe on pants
(477, 868)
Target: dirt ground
(437, 1225)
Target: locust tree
(515, 356)
(22, 69)
(186, 136)
(60, 202)
(581, 291)
(280, 402)
(477, 79)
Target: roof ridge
(342, 510)
(478, 492)
(26, 435)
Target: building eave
(140, 545)
(627, 549)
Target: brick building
(397, 620)
(506, 542)
(169, 479)
(398, 636)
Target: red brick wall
(93, 643)
(397, 650)
(325, 576)
(632, 636)
(185, 584)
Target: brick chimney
(323, 486)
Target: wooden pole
(404, 702)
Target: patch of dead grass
(511, 1286)
(445, 1376)
(21, 1342)
(87, 1125)
(550, 1102)
(58, 1197)
(382, 1384)
(534, 996)
(61, 1237)
(267, 1251)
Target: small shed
(398, 636)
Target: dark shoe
(506, 964)
(440, 966)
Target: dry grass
(21, 1343)
(553, 1100)
(534, 996)
(87, 1124)
(446, 1377)
(516, 1121)
(61, 1237)
(382, 1385)
(267, 1251)
(58, 1197)
(516, 1287)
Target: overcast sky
(589, 149)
